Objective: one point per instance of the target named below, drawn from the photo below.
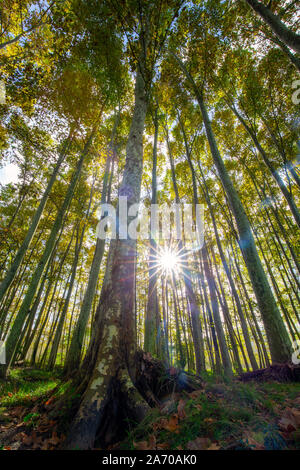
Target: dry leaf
(48, 402)
(54, 440)
(162, 446)
(171, 424)
(143, 445)
(27, 440)
(200, 443)
(290, 420)
(213, 446)
(196, 394)
(180, 409)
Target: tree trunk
(113, 376)
(35, 221)
(278, 338)
(285, 34)
(16, 329)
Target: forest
(118, 333)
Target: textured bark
(115, 363)
(74, 353)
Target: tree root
(126, 403)
(278, 372)
(154, 381)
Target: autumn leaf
(142, 445)
(200, 443)
(213, 446)
(48, 402)
(171, 424)
(195, 394)
(290, 420)
(54, 440)
(180, 409)
(162, 446)
(27, 440)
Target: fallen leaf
(290, 420)
(208, 420)
(54, 440)
(162, 446)
(196, 394)
(27, 440)
(200, 443)
(171, 424)
(180, 409)
(213, 446)
(143, 445)
(48, 402)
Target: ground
(222, 415)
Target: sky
(9, 174)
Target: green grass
(225, 412)
(25, 385)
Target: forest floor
(222, 415)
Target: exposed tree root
(125, 403)
(279, 372)
(154, 381)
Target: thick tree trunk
(113, 377)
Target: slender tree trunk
(35, 221)
(286, 193)
(279, 341)
(16, 329)
(285, 34)
(151, 334)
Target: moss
(25, 385)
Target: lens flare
(168, 260)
